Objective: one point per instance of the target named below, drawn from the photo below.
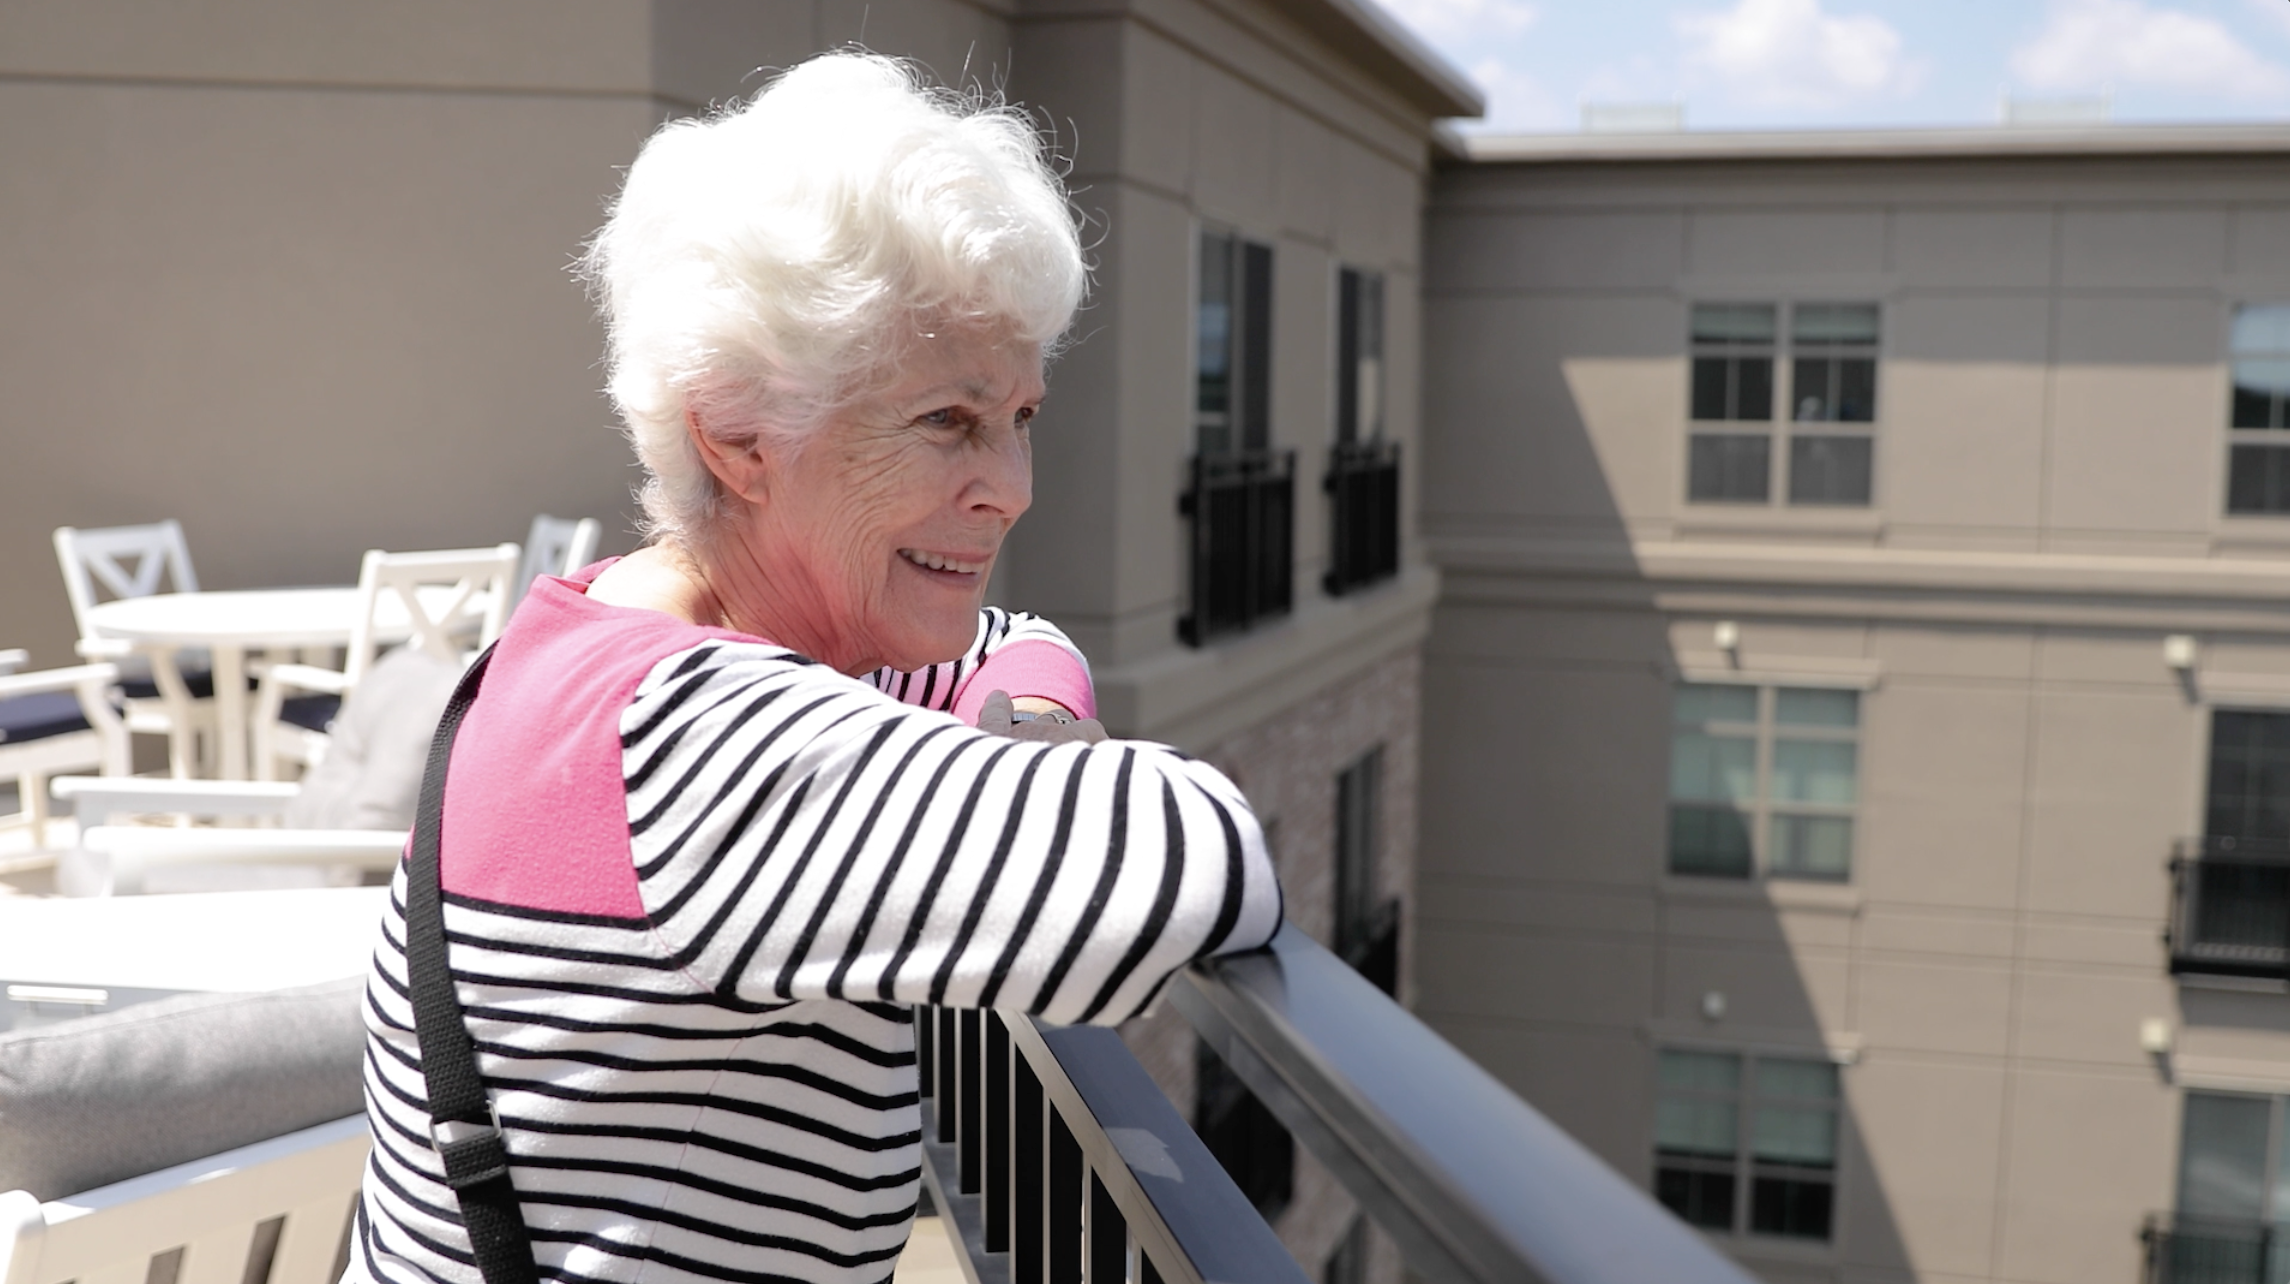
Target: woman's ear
(742, 468)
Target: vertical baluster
(1108, 1235)
(949, 1050)
(994, 1135)
(973, 1066)
(1029, 1172)
(1064, 1202)
(925, 1070)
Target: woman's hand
(1054, 726)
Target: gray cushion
(370, 777)
(89, 1102)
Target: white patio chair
(298, 701)
(186, 1126)
(55, 721)
(556, 546)
(283, 1205)
(166, 694)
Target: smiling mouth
(940, 562)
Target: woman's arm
(798, 836)
(1016, 652)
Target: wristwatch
(1058, 716)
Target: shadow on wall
(1663, 1019)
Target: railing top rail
(1181, 1206)
(1473, 1183)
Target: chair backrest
(448, 597)
(556, 546)
(122, 561)
(277, 1211)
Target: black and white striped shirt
(694, 883)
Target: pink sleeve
(1029, 667)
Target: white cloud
(2091, 45)
(1463, 19)
(1789, 53)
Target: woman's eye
(1025, 414)
(939, 418)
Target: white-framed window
(1763, 780)
(2258, 420)
(1746, 1143)
(1233, 336)
(1825, 451)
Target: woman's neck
(698, 586)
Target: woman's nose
(1005, 479)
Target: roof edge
(1363, 32)
(1879, 144)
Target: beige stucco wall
(2051, 461)
(296, 275)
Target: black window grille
(1243, 511)
(1363, 515)
(2230, 912)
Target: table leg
(230, 711)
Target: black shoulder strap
(461, 1124)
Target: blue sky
(1749, 64)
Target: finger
(1090, 730)
(995, 714)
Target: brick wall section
(1287, 765)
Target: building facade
(1852, 714)
(296, 276)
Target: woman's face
(875, 535)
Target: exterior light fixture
(2179, 651)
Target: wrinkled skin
(821, 554)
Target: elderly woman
(723, 809)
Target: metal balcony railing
(1363, 515)
(1242, 560)
(1058, 1160)
(2187, 1249)
(2230, 908)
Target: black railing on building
(2230, 908)
(1243, 511)
(2187, 1249)
(1078, 1167)
(1363, 515)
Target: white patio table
(229, 623)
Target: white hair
(768, 263)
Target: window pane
(1699, 1196)
(1815, 771)
(1753, 388)
(1811, 847)
(1707, 768)
(1793, 1135)
(1796, 1079)
(1734, 323)
(1731, 468)
(2262, 327)
(2258, 480)
(1712, 842)
(1812, 380)
(1701, 1071)
(1710, 399)
(1816, 707)
(1829, 470)
(1700, 702)
(1792, 1206)
(1213, 326)
(1255, 356)
(2249, 788)
(2260, 383)
(2222, 1155)
(1829, 323)
(1693, 1127)
(1856, 390)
